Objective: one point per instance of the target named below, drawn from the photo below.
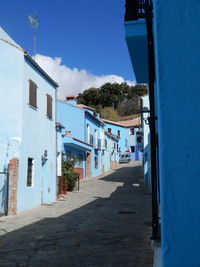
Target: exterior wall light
(44, 157)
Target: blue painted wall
(26, 132)
(11, 76)
(177, 39)
(38, 135)
(105, 153)
(94, 124)
(72, 118)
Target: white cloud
(73, 81)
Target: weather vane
(33, 20)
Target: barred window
(32, 94)
(49, 106)
(30, 172)
(96, 162)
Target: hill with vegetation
(114, 101)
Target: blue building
(28, 134)
(169, 32)
(126, 132)
(82, 137)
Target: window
(32, 94)
(30, 172)
(91, 139)
(96, 162)
(49, 106)
(131, 131)
(132, 149)
(88, 133)
(106, 144)
(95, 138)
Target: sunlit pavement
(106, 223)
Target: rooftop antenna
(33, 20)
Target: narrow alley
(106, 223)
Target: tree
(113, 95)
(129, 106)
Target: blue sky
(85, 34)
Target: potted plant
(69, 173)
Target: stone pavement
(106, 223)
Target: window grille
(30, 172)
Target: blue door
(3, 193)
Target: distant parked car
(125, 157)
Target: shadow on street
(112, 231)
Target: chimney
(109, 130)
(71, 100)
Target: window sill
(35, 108)
(51, 119)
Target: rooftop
(129, 123)
(86, 107)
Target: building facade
(81, 140)
(169, 32)
(28, 134)
(126, 132)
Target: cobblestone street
(106, 223)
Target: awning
(76, 144)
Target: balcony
(136, 38)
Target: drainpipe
(152, 124)
(56, 157)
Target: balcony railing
(136, 9)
